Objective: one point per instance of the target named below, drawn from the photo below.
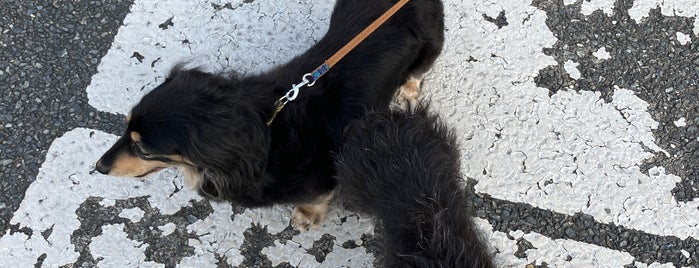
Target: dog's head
(197, 121)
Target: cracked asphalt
(49, 52)
(561, 106)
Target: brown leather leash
(309, 79)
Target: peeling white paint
(344, 227)
(253, 37)
(602, 54)
(554, 252)
(683, 38)
(653, 265)
(682, 122)
(684, 8)
(167, 228)
(63, 183)
(568, 153)
(219, 234)
(589, 6)
(133, 214)
(685, 253)
(572, 69)
(117, 250)
(107, 202)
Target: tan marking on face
(311, 215)
(135, 136)
(128, 118)
(130, 166)
(192, 176)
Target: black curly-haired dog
(404, 169)
(214, 125)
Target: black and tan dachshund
(213, 126)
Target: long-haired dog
(214, 125)
(403, 167)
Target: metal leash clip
(290, 95)
(294, 91)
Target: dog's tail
(403, 168)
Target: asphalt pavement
(578, 123)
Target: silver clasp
(290, 96)
(294, 91)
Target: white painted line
(133, 214)
(555, 253)
(589, 6)
(569, 153)
(62, 185)
(117, 250)
(684, 8)
(253, 37)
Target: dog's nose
(101, 168)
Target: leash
(309, 79)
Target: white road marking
(560, 153)
(251, 38)
(590, 6)
(117, 250)
(133, 214)
(684, 8)
(640, 9)
(570, 152)
(62, 185)
(555, 253)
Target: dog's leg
(408, 94)
(310, 215)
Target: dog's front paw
(306, 217)
(408, 95)
(311, 215)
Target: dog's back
(403, 168)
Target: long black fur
(217, 122)
(403, 168)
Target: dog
(403, 168)
(213, 125)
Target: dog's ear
(230, 152)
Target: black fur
(403, 168)
(217, 122)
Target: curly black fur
(403, 168)
(217, 122)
